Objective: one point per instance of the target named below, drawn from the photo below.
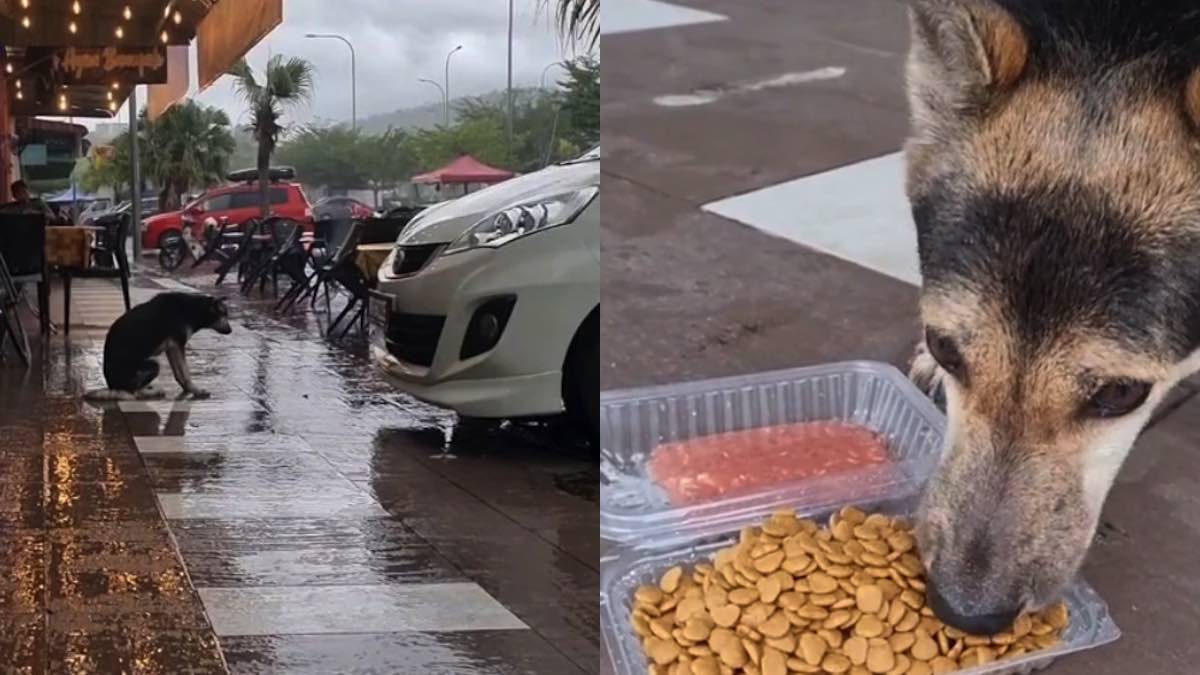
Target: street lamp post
(353, 76)
(441, 92)
(542, 80)
(446, 91)
(509, 124)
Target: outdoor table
(369, 258)
(70, 246)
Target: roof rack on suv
(276, 173)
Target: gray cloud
(396, 43)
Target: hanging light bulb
(109, 95)
(120, 32)
(25, 21)
(20, 96)
(128, 14)
(72, 27)
(112, 105)
(8, 68)
(115, 85)
(18, 84)
(167, 10)
(165, 37)
(25, 4)
(62, 102)
(178, 18)
(76, 7)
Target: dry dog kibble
(793, 597)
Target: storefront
(83, 58)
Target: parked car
(490, 304)
(331, 208)
(93, 210)
(234, 203)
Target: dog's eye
(945, 352)
(1118, 397)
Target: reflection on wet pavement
(306, 519)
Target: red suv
(236, 203)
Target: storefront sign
(100, 65)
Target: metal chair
(23, 244)
(283, 252)
(341, 239)
(112, 248)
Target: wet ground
(690, 294)
(306, 519)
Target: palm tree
(286, 83)
(579, 20)
(188, 146)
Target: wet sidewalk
(306, 519)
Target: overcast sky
(396, 43)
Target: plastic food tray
(651, 536)
(872, 395)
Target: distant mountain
(431, 114)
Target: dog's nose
(977, 624)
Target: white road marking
(156, 445)
(626, 16)
(334, 501)
(391, 608)
(857, 212)
(706, 96)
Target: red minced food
(704, 468)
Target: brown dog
(1054, 176)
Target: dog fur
(1054, 176)
(164, 324)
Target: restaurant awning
(465, 169)
(81, 58)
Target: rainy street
(308, 518)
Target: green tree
(385, 160)
(581, 101)
(326, 156)
(187, 147)
(578, 20)
(286, 83)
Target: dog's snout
(975, 624)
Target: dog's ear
(964, 52)
(1191, 99)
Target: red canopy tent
(465, 169)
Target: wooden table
(70, 246)
(369, 258)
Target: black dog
(163, 324)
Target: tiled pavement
(717, 239)
(304, 520)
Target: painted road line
(713, 94)
(857, 212)
(335, 500)
(219, 445)
(626, 16)
(392, 608)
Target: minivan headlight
(517, 221)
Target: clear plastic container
(872, 395)
(650, 535)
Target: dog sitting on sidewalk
(163, 324)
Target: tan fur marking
(1004, 43)
(1141, 156)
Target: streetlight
(542, 80)
(447, 89)
(353, 83)
(446, 111)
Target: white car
(490, 304)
